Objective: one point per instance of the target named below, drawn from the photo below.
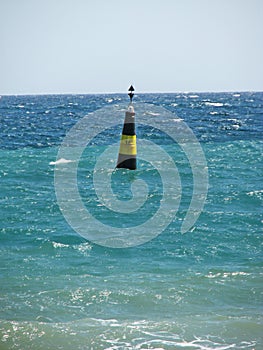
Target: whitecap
(83, 248)
(215, 104)
(227, 274)
(258, 194)
(61, 161)
(151, 113)
(59, 245)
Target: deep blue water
(200, 290)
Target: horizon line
(124, 93)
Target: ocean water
(199, 290)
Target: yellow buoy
(128, 151)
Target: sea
(202, 289)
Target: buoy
(127, 150)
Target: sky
(103, 46)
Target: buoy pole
(127, 150)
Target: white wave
(151, 113)
(227, 274)
(193, 96)
(215, 104)
(257, 193)
(59, 245)
(83, 248)
(112, 334)
(233, 120)
(61, 161)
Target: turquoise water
(200, 290)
